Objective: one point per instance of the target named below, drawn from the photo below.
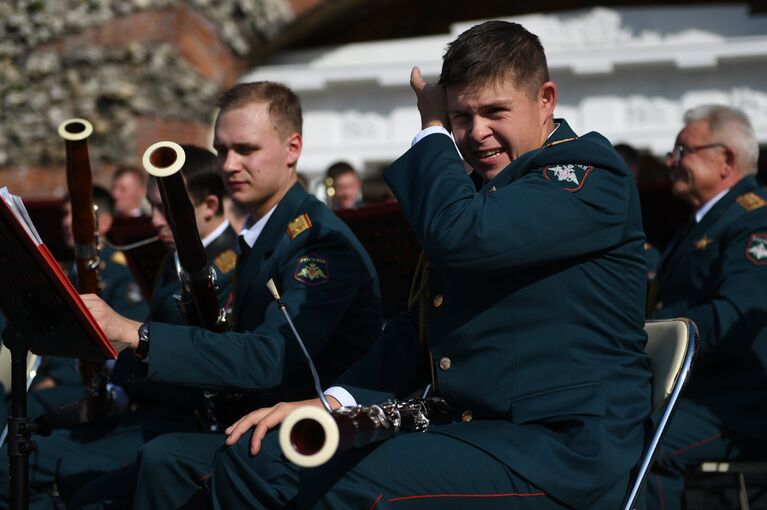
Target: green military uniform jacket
(535, 312)
(715, 273)
(129, 371)
(330, 288)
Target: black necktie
(245, 248)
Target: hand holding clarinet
(314, 430)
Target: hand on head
(432, 103)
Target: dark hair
(493, 52)
(284, 104)
(201, 171)
(102, 199)
(340, 168)
(130, 169)
(629, 154)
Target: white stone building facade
(628, 72)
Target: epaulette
(750, 201)
(226, 261)
(118, 257)
(557, 142)
(298, 225)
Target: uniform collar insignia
(750, 201)
(298, 225)
(702, 243)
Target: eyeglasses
(678, 152)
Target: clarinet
(75, 133)
(198, 301)
(310, 436)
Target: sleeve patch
(311, 270)
(298, 225)
(750, 201)
(756, 251)
(226, 261)
(570, 177)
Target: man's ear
(211, 206)
(105, 221)
(293, 148)
(547, 99)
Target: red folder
(38, 298)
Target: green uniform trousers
(430, 470)
(693, 438)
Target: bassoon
(198, 301)
(75, 133)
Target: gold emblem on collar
(702, 243)
(750, 201)
(298, 225)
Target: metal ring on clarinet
(75, 129)
(163, 159)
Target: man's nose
(479, 129)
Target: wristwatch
(142, 349)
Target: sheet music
(16, 205)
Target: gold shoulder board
(298, 225)
(750, 201)
(118, 257)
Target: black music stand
(20, 426)
(46, 316)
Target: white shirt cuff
(429, 131)
(344, 397)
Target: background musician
(326, 280)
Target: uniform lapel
(522, 164)
(264, 246)
(685, 243)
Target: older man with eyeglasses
(715, 272)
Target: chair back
(670, 347)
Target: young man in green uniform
(326, 279)
(534, 313)
(714, 271)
